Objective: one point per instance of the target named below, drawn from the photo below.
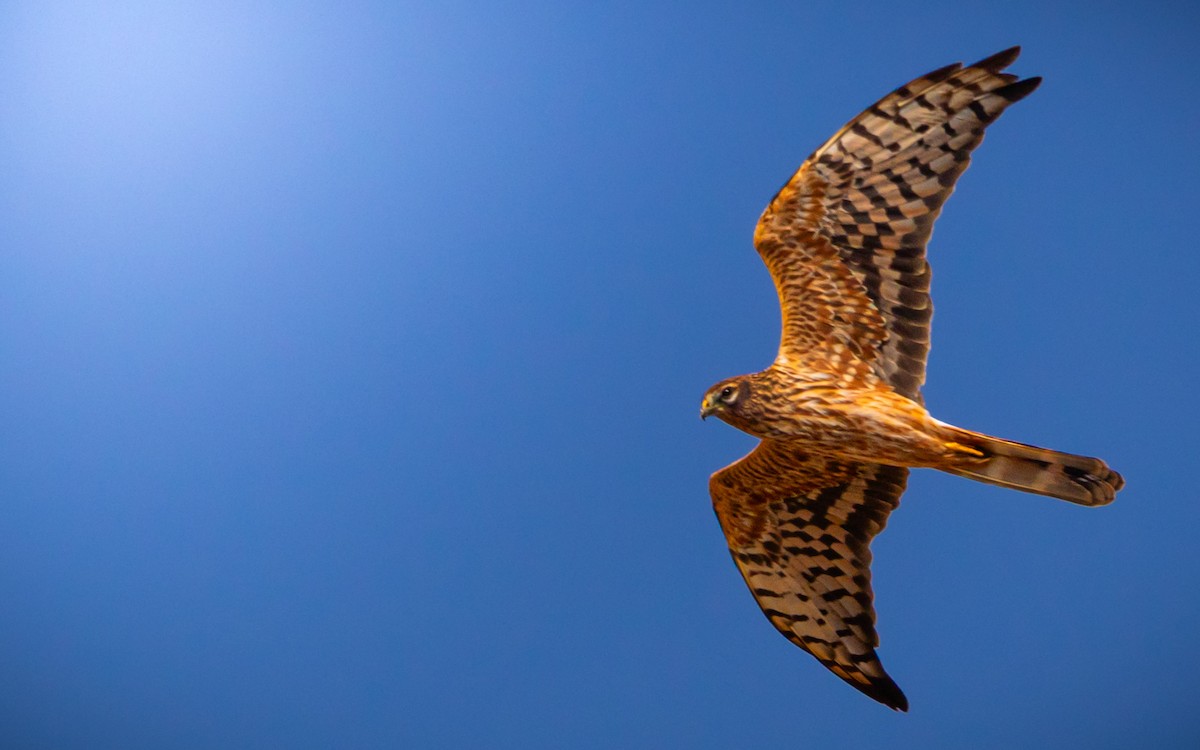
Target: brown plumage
(840, 412)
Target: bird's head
(727, 400)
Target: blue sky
(352, 354)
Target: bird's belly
(874, 426)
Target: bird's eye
(726, 392)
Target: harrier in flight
(839, 412)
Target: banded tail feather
(1082, 480)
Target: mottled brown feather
(799, 528)
(870, 196)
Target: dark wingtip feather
(1000, 60)
(887, 692)
(1020, 89)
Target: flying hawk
(839, 412)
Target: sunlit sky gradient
(351, 354)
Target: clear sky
(351, 355)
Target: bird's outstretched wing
(866, 201)
(799, 528)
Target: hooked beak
(707, 408)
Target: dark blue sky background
(351, 354)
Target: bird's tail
(1076, 479)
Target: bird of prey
(840, 413)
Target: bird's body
(868, 422)
(839, 412)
